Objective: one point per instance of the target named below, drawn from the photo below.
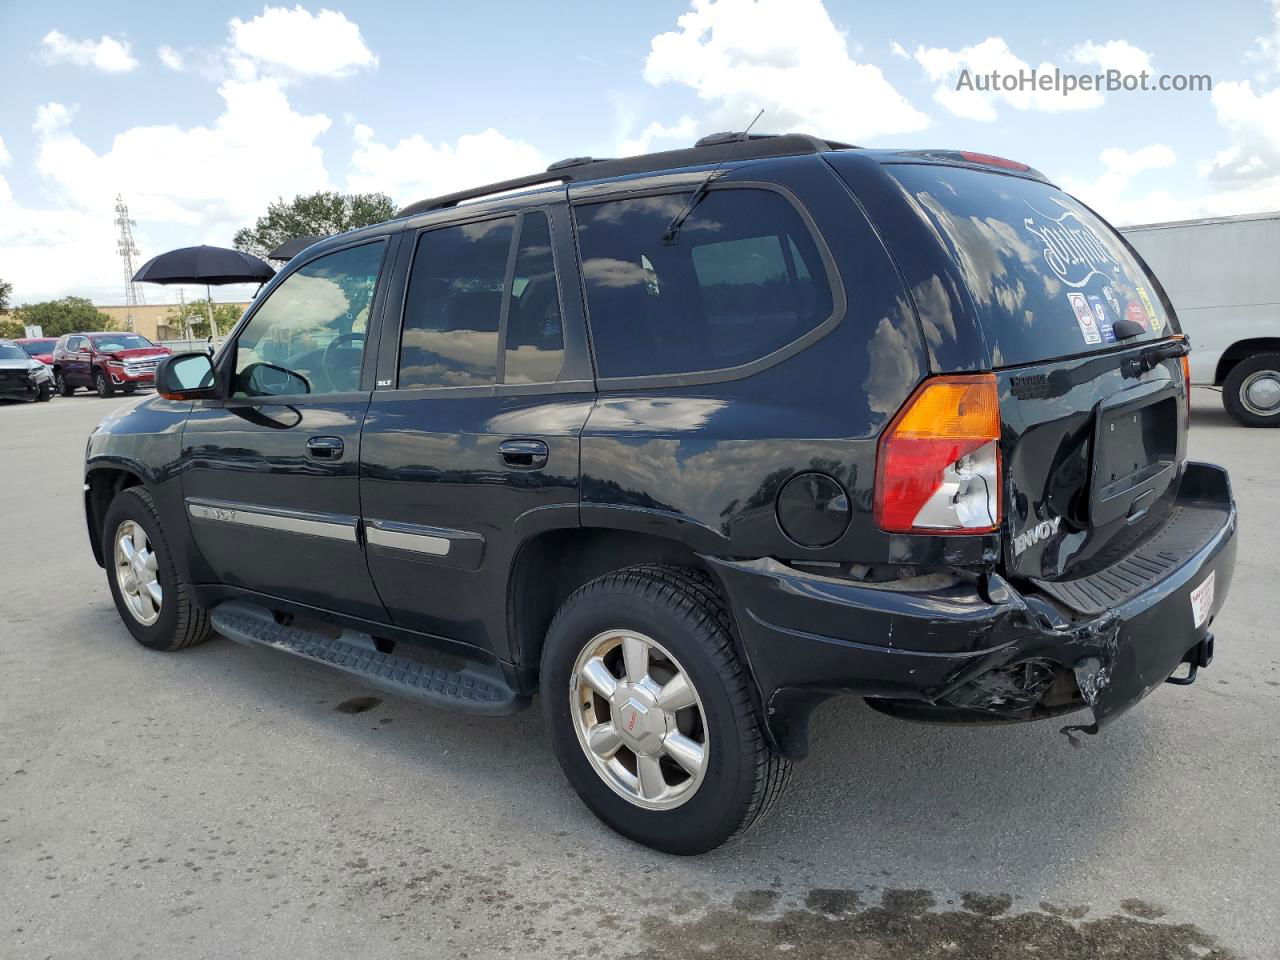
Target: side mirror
(186, 376)
(269, 380)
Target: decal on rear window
(1151, 310)
(1071, 249)
(1084, 317)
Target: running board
(473, 689)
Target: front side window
(743, 279)
(309, 335)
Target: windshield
(33, 347)
(110, 343)
(9, 352)
(1048, 278)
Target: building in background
(149, 319)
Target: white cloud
(195, 184)
(1253, 121)
(1246, 173)
(170, 57)
(107, 54)
(1122, 192)
(415, 168)
(258, 149)
(898, 50)
(681, 133)
(944, 66)
(785, 57)
(1267, 47)
(1112, 55)
(299, 44)
(4, 154)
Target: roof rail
(577, 169)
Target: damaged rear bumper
(965, 648)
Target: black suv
(688, 443)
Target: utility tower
(128, 250)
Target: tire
(44, 393)
(1251, 391)
(179, 622)
(60, 384)
(102, 383)
(678, 611)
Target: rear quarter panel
(704, 463)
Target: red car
(39, 348)
(105, 362)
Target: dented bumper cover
(967, 647)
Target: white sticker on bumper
(1202, 601)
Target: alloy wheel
(639, 719)
(136, 573)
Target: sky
(200, 114)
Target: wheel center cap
(639, 722)
(1265, 392)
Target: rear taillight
(938, 465)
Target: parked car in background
(686, 445)
(1221, 275)
(105, 362)
(21, 376)
(41, 348)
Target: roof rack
(576, 169)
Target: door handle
(324, 448)
(524, 454)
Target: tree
(68, 315)
(315, 215)
(194, 316)
(6, 288)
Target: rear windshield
(1048, 277)
(34, 347)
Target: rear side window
(743, 279)
(1048, 278)
(535, 332)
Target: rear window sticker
(1112, 299)
(1071, 249)
(1154, 317)
(1135, 313)
(1084, 317)
(1106, 320)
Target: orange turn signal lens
(938, 464)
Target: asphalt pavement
(229, 802)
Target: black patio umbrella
(211, 266)
(291, 248)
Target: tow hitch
(1201, 655)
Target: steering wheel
(329, 359)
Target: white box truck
(1223, 276)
